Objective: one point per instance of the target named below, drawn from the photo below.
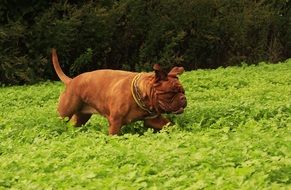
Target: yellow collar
(138, 97)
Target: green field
(234, 134)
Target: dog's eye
(180, 89)
(170, 95)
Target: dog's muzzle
(183, 104)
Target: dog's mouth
(176, 106)
(179, 111)
(183, 104)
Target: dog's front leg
(156, 123)
(114, 125)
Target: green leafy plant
(234, 134)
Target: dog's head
(168, 91)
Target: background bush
(134, 34)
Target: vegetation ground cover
(234, 134)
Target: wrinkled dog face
(169, 91)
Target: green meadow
(234, 134)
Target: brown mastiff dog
(121, 96)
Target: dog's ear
(176, 71)
(159, 73)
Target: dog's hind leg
(69, 104)
(80, 119)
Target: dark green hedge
(134, 34)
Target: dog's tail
(58, 69)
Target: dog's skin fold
(109, 93)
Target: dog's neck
(141, 96)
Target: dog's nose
(184, 101)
